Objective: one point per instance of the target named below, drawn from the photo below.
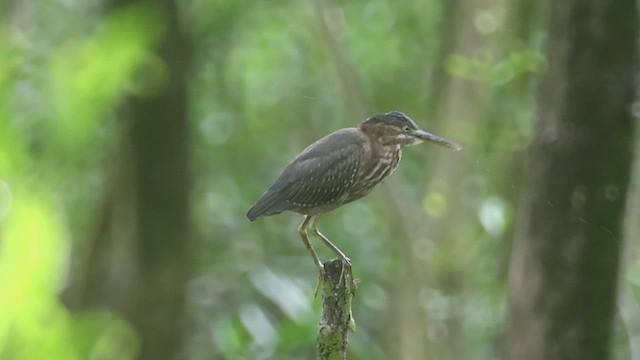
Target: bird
(338, 169)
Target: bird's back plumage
(319, 178)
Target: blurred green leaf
(102, 335)
(230, 337)
(33, 324)
(484, 69)
(90, 75)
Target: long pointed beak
(426, 136)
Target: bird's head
(397, 128)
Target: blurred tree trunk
(566, 253)
(418, 333)
(162, 188)
(139, 263)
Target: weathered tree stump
(338, 289)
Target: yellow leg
(327, 242)
(302, 230)
(346, 262)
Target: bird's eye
(406, 128)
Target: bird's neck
(383, 162)
(388, 151)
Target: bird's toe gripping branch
(319, 282)
(346, 275)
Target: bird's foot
(320, 280)
(346, 263)
(345, 269)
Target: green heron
(340, 168)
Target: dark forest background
(134, 136)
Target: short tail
(253, 213)
(269, 204)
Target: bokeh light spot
(492, 216)
(434, 204)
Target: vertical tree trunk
(567, 248)
(162, 188)
(139, 262)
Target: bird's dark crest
(395, 118)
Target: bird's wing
(320, 175)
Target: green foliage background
(430, 246)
